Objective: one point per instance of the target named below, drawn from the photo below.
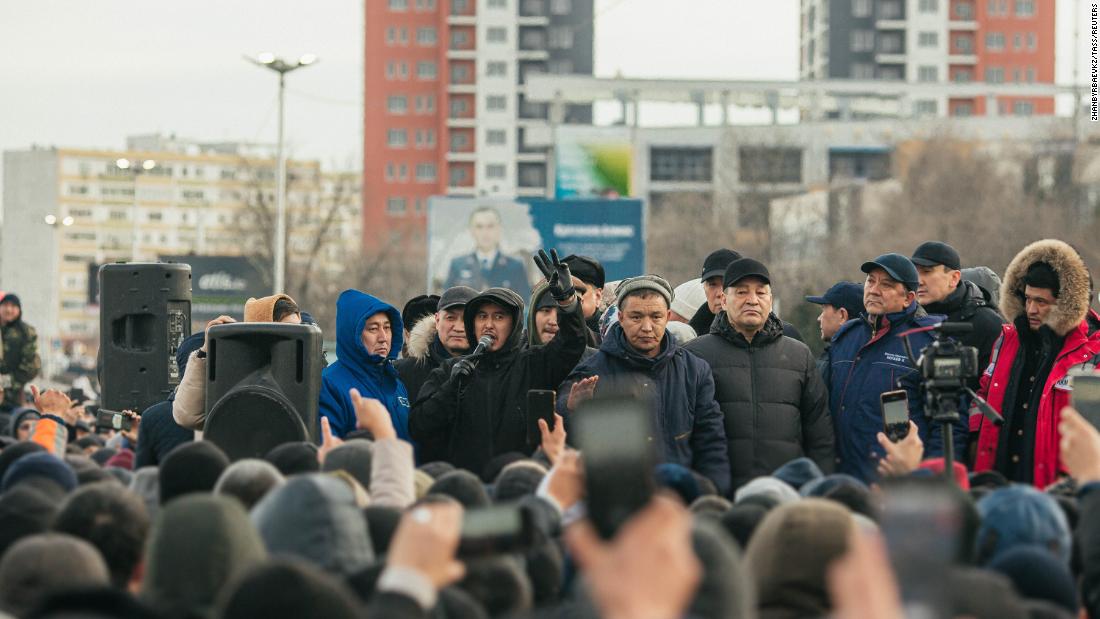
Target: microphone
(485, 342)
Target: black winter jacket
(969, 303)
(487, 415)
(772, 396)
(687, 423)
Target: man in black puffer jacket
(771, 394)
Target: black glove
(462, 370)
(557, 275)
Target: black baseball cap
(586, 269)
(742, 268)
(453, 297)
(931, 253)
(716, 263)
(847, 295)
(896, 266)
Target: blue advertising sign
(611, 231)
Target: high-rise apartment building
(444, 106)
(934, 42)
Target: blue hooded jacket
(374, 376)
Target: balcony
(890, 24)
(967, 59)
(890, 58)
(956, 23)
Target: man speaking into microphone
(474, 407)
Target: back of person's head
(710, 505)
(769, 486)
(41, 564)
(500, 584)
(799, 472)
(294, 458)
(24, 511)
(14, 452)
(199, 542)
(436, 469)
(248, 481)
(455, 603)
(464, 487)
(544, 567)
(315, 518)
(741, 520)
(1037, 575)
(790, 553)
(497, 464)
(1021, 515)
(517, 480)
(726, 589)
(354, 457)
(113, 520)
(146, 485)
(101, 456)
(288, 589)
(191, 467)
(679, 479)
(102, 602)
(40, 465)
(382, 523)
(982, 594)
(857, 499)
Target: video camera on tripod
(946, 368)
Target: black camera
(945, 364)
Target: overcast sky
(80, 73)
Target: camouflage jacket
(19, 359)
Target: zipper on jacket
(752, 390)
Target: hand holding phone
(114, 420)
(540, 405)
(1086, 397)
(895, 414)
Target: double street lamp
(136, 168)
(268, 60)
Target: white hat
(688, 297)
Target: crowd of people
(776, 490)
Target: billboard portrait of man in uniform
(487, 266)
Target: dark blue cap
(898, 267)
(847, 295)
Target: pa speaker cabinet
(263, 381)
(144, 315)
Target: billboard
(221, 285)
(482, 243)
(592, 163)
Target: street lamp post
(136, 168)
(280, 66)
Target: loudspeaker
(263, 381)
(144, 314)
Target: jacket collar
(615, 344)
(773, 330)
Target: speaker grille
(251, 420)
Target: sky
(79, 73)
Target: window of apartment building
(1023, 108)
(425, 104)
(1017, 41)
(1016, 76)
(995, 75)
(681, 164)
(403, 70)
(119, 216)
(460, 73)
(928, 6)
(459, 108)
(496, 103)
(1030, 75)
(925, 107)
(496, 34)
(425, 70)
(496, 68)
(425, 172)
(460, 7)
(396, 206)
(861, 8)
(391, 35)
(399, 5)
(863, 71)
(496, 171)
(403, 36)
(498, 4)
(1031, 41)
(397, 138)
(964, 44)
(560, 66)
(561, 7)
(425, 138)
(863, 40)
(532, 38)
(928, 74)
(1025, 8)
(561, 37)
(397, 104)
(426, 36)
(892, 72)
(995, 41)
(890, 43)
(496, 137)
(928, 39)
(769, 164)
(457, 176)
(964, 10)
(459, 141)
(963, 76)
(391, 172)
(964, 109)
(889, 10)
(425, 5)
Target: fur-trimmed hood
(421, 338)
(1073, 278)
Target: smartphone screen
(113, 420)
(495, 530)
(614, 437)
(895, 414)
(921, 525)
(1086, 397)
(540, 405)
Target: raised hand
(426, 541)
(53, 402)
(463, 369)
(220, 320)
(372, 415)
(553, 441)
(328, 441)
(558, 277)
(1079, 447)
(580, 391)
(902, 457)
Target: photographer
(475, 406)
(867, 359)
(19, 362)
